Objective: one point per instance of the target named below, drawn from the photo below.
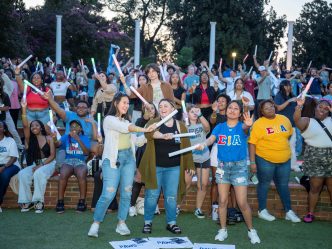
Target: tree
(240, 26)
(12, 38)
(313, 34)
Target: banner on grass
(212, 246)
(172, 242)
(138, 243)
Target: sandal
(147, 228)
(309, 218)
(173, 229)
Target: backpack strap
(324, 128)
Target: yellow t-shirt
(271, 137)
(124, 141)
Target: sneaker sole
(60, 212)
(200, 217)
(298, 221)
(121, 233)
(93, 235)
(266, 219)
(39, 211)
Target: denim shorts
(75, 162)
(234, 173)
(42, 115)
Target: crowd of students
(245, 123)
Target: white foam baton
(25, 92)
(306, 89)
(51, 120)
(162, 72)
(168, 117)
(64, 71)
(190, 134)
(220, 63)
(33, 87)
(37, 66)
(270, 55)
(138, 95)
(25, 61)
(54, 129)
(309, 66)
(185, 111)
(136, 82)
(69, 72)
(94, 65)
(175, 153)
(250, 70)
(99, 123)
(117, 64)
(245, 58)
(255, 53)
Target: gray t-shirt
(264, 89)
(199, 156)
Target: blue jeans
(5, 176)
(279, 172)
(299, 141)
(112, 177)
(42, 115)
(168, 180)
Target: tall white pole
(212, 44)
(58, 40)
(290, 45)
(137, 42)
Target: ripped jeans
(112, 177)
(168, 180)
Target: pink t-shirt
(14, 103)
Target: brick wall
(298, 197)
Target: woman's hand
(23, 103)
(300, 101)
(151, 128)
(201, 146)
(253, 168)
(138, 176)
(99, 139)
(122, 79)
(294, 99)
(17, 70)
(190, 172)
(245, 101)
(247, 120)
(168, 136)
(74, 135)
(215, 106)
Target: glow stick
(69, 72)
(138, 95)
(25, 61)
(10, 62)
(327, 68)
(309, 66)
(255, 54)
(64, 71)
(51, 120)
(136, 82)
(307, 87)
(245, 58)
(33, 87)
(168, 117)
(82, 63)
(250, 70)
(99, 120)
(270, 55)
(25, 92)
(185, 111)
(220, 63)
(191, 134)
(175, 153)
(117, 64)
(162, 73)
(37, 66)
(94, 65)
(54, 129)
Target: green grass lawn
(69, 230)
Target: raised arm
(55, 106)
(18, 78)
(25, 123)
(301, 122)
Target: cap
(76, 121)
(261, 68)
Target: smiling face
(204, 78)
(175, 78)
(152, 74)
(60, 76)
(222, 103)
(239, 85)
(36, 79)
(123, 106)
(75, 127)
(322, 110)
(165, 108)
(233, 111)
(35, 127)
(142, 80)
(82, 109)
(268, 110)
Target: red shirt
(35, 101)
(205, 98)
(249, 86)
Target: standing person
(14, 103)
(118, 165)
(285, 104)
(250, 85)
(179, 93)
(204, 95)
(159, 171)
(264, 87)
(201, 127)
(9, 165)
(190, 82)
(82, 81)
(270, 155)
(318, 152)
(231, 137)
(40, 161)
(239, 94)
(218, 116)
(137, 111)
(37, 106)
(155, 89)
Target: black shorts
(204, 165)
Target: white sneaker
(222, 234)
(290, 215)
(252, 234)
(296, 168)
(132, 211)
(264, 214)
(157, 211)
(93, 232)
(122, 229)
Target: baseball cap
(261, 68)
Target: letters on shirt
(3, 149)
(74, 149)
(229, 140)
(275, 129)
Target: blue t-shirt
(289, 110)
(73, 148)
(190, 80)
(86, 126)
(231, 142)
(91, 88)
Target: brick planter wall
(298, 197)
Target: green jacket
(147, 166)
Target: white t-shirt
(246, 94)
(8, 148)
(59, 88)
(230, 84)
(157, 95)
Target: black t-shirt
(5, 101)
(178, 92)
(141, 122)
(163, 147)
(220, 119)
